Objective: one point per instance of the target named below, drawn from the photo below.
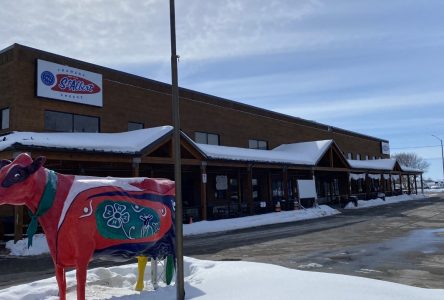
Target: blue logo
(47, 78)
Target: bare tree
(412, 160)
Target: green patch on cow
(120, 220)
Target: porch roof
(307, 153)
(408, 169)
(387, 164)
(131, 142)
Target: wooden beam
(203, 191)
(285, 183)
(422, 185)
(416, 186)
(250, 189)
(18, 223)
(327, 169)
(136, 167)
(408, 184)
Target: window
(358, 156)
(134, 126)
(366, 157)
(4, 117)
(67, 122)
(349, 155)
(206, 138)
(257, 144)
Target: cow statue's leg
(154, 280)
(141, 264)
(81, 270)
(61, 281)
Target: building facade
(45, 92)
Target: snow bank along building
(237, 159)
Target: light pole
(180, 289)
(442, 155)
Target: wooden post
(416, 185)
(422, 185)
(408, 184)
(250, 188)
(400, 183)
(239, 190)
(285, 183)
(203, 190)
(18, 223)
(136, 166)
(270, 190)
(366, 186)
(391, 184)
(348, 187)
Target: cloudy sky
(376, 67)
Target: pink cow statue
(85, 217)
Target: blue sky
(376, 67)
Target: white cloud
(135, 32)
(338, 107)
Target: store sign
(385, 148)
(68, 84)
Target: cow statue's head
(22, 180)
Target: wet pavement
(402, 243)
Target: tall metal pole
(442, 155)
(177, 162)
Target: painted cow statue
(84, 217)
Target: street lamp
(442, 155)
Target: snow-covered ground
(433, 191)
(258, 220)
(226, 280)
(388, 200)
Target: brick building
(35, 97)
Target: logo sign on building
(68, 84)
(385, 148)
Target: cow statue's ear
(36, 164)
(4, 162)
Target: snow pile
(223, 280)
(379, 201)
(433, 191)
(258, 220)
(39, 246)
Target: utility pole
(177, 158)
(442, 155)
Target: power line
(416, 147)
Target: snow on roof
(409, 169)
(307, 153)
(313, 151)
(377, 164)
(130, 142)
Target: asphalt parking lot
(402, 243)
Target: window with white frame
(358, 156)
